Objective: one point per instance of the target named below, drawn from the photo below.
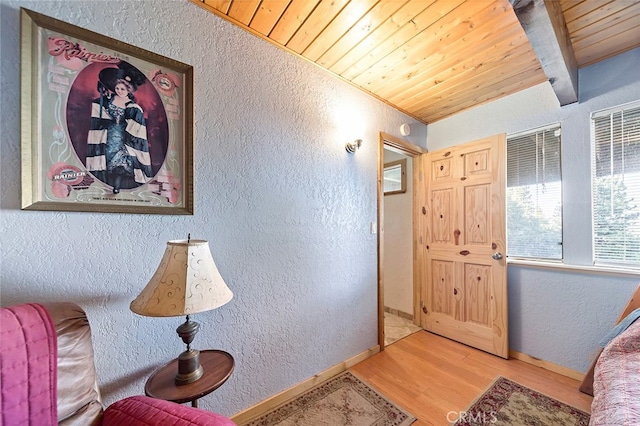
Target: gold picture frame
(105, 126)
(395, 177)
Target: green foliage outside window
(616, 222)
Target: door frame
(418, 202)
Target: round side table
(218, 366)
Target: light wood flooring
(430, 376)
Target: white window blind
(615, 187)
(534, 194)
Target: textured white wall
(286, 211)
(559, 316)
(398, 243)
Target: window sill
(604, 270)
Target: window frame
(535, 259)
(593, 116)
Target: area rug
(509, 403)
(342, 400)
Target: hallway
(396, 328)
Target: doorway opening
(399, 257)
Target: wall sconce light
(353, 146)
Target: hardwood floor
(430, 376)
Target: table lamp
(186, 282)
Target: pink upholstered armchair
(47, 375)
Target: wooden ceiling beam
(546, 29)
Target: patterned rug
(342, 400)
(508, 403)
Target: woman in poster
(118, 150)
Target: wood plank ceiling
(601, 29)
(430, 58)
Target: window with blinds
(534, 194)
(615, 186)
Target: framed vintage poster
(105, 126)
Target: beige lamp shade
(186, 282)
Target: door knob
(497, 255)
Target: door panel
(478, 293)
(443, 287)
(476, 203)
(441, 202)
(465, 294)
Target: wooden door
(465, 296)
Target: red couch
(47, 375)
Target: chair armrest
(145, 411)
